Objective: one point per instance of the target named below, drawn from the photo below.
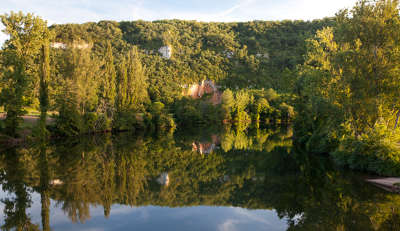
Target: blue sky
(78, 11)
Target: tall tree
(76, 89)
(85, 69)
(109, 81)
(356, 64)
(19, 64)
(137, 80)
(228, 102)
(44, 83)
(369, 59)
(122, 101)
(44, 186)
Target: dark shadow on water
(257, 170)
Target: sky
(79, 11)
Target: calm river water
(228, 181)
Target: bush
(68, 122)
(160, 119)
(375, 151)
(124, 120)
(90, 121)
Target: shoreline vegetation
(185, 171)
(335, 80)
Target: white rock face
(197, 90)
(228, 54)
(58, 45)
(163, 179)
(56, 182)
(265, 55)
(81, 45)
(166, 52)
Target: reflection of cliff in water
(206, 147)
(102, 171)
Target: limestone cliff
(196, 91)
(77, 45)
(206, 147)
(166, 52)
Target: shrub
(375, 151)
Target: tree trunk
(397, 119)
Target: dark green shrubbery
(191, 112)
(375, 151)
(160, 119)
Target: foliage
(113, 71)
(257, 107)
(303, 190)
(108, 84)
(347, 86)
(19, 59)
(161, 119)
(131, 90)
(376, 151)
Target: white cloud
(253, 216)
(79, 11)
(93, 229)
(248, 10)
(63, 11)
(238, 6)
(289, 9)
(241, 217)
(228, 225)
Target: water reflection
(214, 181)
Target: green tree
(357, 62)
(262, 107)
(137, 84)
(228, 102)
(44, 83)
(85, 71)
(108, 91)
(122, 101)
(76, 92)
(19, 64)
(242, 119)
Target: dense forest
(336, 80)
(112, 71)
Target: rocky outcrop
(166, 52)
(264, 55)
(228, 54)
(163, 179)
(203, 148)
(206, 147)
(81, 45)
(77, 45)
(56, 182)
(58, 45)
(196, 91)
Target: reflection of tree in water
(259, 140)
(15, 176)
(44, 187)
(262, 140)
(256, 172)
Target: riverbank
(391, 184)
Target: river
(192, 180)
